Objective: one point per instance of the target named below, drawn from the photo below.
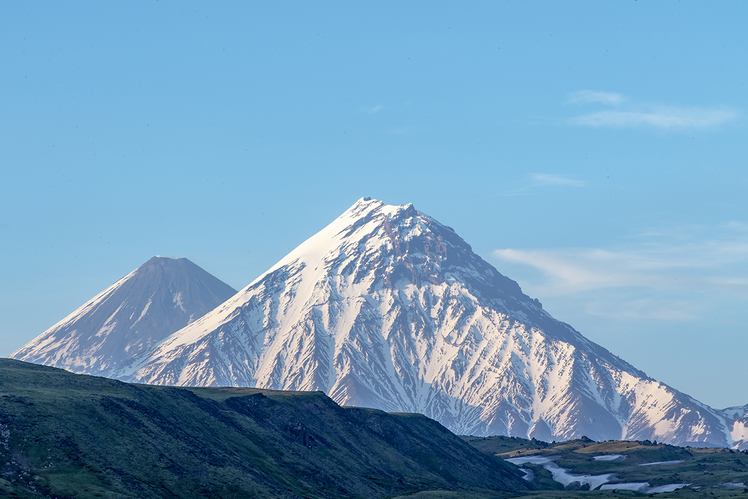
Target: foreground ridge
(70, 435)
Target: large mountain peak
(388, 308)
(398, 246)
(366, 217)
(128, 318)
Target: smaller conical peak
(165, 261)
(161, 258)
(162, 266)
(158, 261)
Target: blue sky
(594, 152)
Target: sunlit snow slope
(388, 308)
(112, 329)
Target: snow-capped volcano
(125, 320)
(388, 308)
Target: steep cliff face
(388, 308)
(124, 321)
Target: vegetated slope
(129, 317)
(68, 435)
(388, 308)
(713, 470)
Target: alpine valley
(384, 308)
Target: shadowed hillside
(67, 435)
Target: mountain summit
(385, 308)
(125, 320)
(388, 308)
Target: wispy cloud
(661, 277)
(627, 113)
(735, 225)
(539, 180)
(584, 269)
(372, 109)
(592, 97)
(560, 180)
(648, 309)
(406, 130)
(665, 118)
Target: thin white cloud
(667, 267)
(664, 118)
(647, 309)
(573, 270)
(373, 109)
(626, 113)
(592, 97)
(735, 225)
(537, 180)
(560, 180)
(659, 277)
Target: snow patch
(656, 463)
(609, 457)
(739, 431)
(178, 301)
(734, 485)
(562, 475)
(145, 311)
(644, 487)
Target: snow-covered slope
(388, 308)
(737, 425)
(125, 320)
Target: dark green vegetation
(706, 469)
(66, 435)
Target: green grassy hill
(66, 435)
(710, 472)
